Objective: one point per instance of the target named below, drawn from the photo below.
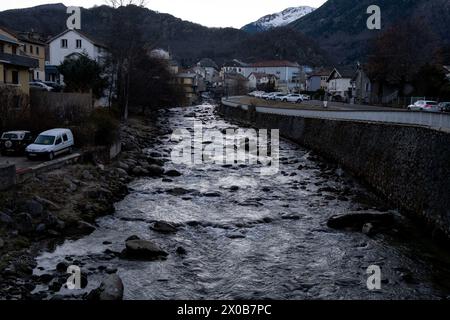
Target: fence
(65, 106)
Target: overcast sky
(211, 13)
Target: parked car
(15, 142)
(253, 93)
(54, 85)
(424, 105)
(444, 106)
(40, 86)
(50, 144)
(259, 94)
(266, 95)
(277, 96)
(293, 97)
(306, 97)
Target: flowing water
(266, 240)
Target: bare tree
(124, 3)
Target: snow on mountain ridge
(281, 18)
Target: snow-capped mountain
(278, 19)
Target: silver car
(425, 105)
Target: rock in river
(172, 173)
(110, 289)
(143, 250)
(356, 220)
(163, 227)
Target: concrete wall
(7, 176)
(409, 165)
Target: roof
(186, 75)
(4, 38)
(320, 72)
(343, 72)
(259, 75)
(21, 61)
(81, 33)
(207, 63)
(54, 132)
(28, 37)
(276, 64)
(235, 63)
(235, 76)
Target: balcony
(18, 61)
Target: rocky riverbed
(222, 231)
(225, 232)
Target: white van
(51, 143)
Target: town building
(259, 80)
(16, 69)
(34, 46)
(340, 84)
(208, 68)
(190, 84)
(317, 80)
(68, 44)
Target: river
(268, 239)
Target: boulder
(173, 173)
(24, 223)
(181, 251)
(5, 219)
(85, 228)
(368, 229)
(155, 171)
(34, 208)
(143, 250)
(356, 220)
(163, 227)
(139, 171)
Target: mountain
(188, 42)
(339, 26)
(278, 19)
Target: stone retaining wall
(7, 176)
(408, 165)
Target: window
(2, 48)
(37, 50)
(65, 137)
(58, 141)
(31, 49)
(79, 43)
(15, 77)
(63, 43)
(14, 50)
(25, 48)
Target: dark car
(15, 142)
(444, 106)
(56, 86)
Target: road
(308, 105)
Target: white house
(340, 84)
(256, 79)
(69, 43)
(287, 72)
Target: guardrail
(439, 121)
